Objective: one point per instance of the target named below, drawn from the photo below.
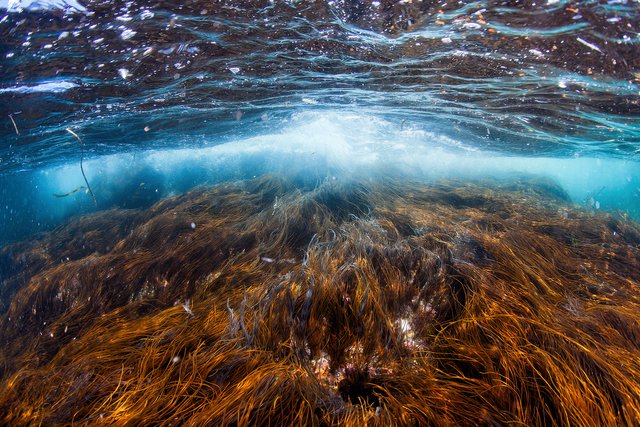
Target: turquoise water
(166, 97)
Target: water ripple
(544, 78)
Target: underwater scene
(320, 212)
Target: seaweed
(74, 191)
(15, 126)
(95, 203)
(369, 303)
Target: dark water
(419, 84)
(558, 78)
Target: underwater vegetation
(344, 303)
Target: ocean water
(528, 112)
(175, 96)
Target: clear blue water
(166, 96)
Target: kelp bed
(380, 303)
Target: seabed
(372, 302)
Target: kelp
(95, 203)
(383, 302)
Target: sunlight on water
(314, 147)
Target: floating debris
(589, 45)
(124, 73)
(95, 203)
(127, 34)
(69, 193)
(15, 126)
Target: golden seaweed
(362, 303)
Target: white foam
(51, 87)
(336, 145)
(17, 6)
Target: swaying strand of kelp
(373, 303)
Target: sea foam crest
(51, 87)
(33, 5)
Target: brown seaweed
(372, 303)
(95, 203)
(74, 191)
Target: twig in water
(59, 196)
(15, 126)
(95, 203)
